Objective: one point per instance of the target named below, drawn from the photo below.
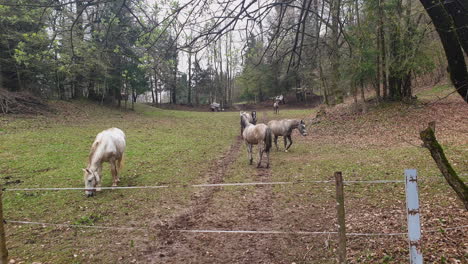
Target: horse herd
(109, 146)
(261, 134)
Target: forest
(197, 52)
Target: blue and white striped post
(414, 224)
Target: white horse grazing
(108, 146)
(284, 128)
(256, 135)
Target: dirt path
(244, 208)
(173, 247)
(233, 208)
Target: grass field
(181, 147)
(163, 147)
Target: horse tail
(268, 139)
(242, 125)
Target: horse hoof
(114, 185)
(285, 150)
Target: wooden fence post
(414, 224)
(341, 218)
(3, 249)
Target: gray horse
(276, 107)
(256, 135)
(252, 118)
(284, 128)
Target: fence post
(414, 224)
(341, 218)
(3, 249)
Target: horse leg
(114, 172)
(285, 143)
(249, 153)
(290, 142)
(268, 159)
(276, 142)
(260, 154)
(98, 184)
(119, 166)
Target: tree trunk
(458, 10)
(189, 83)
(382, 49)
(152, 88)
(456, 62)
(158, 97)
(363, 98)
(79, 78)
(197, 96)
(377, 77)
(437, 153)
(174, 88)
(337, 92)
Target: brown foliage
(21, 103)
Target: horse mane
(92, 151)
(244, 121)
(295, 122)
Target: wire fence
(426, 179)
(217, 231)
(271, 232)
(198, 185)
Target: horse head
(254, 117)
(302, 128)
(91, 178)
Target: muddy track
(236, 208)
(168, 243)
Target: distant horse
(284, 128)
(276, 107)
(108, 146)
(256, 135)
(252, 118)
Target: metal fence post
(341, 218)
(3, 249)
(414, 224)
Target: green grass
(162, 147)
(436, 90)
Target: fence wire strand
(268, 232)
(198, 185)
